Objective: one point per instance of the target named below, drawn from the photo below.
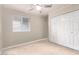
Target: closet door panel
(64, 34)
(68, 29)
(76, 30)
(53, 31)
(62, 30)
(65, 30)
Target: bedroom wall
(0, 28)
(13, 38)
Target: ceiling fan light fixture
(38, 7)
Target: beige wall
(45, 26)
(0, 28)
(12, 38)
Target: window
(21, 24)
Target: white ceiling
(30, 8)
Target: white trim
(26, 43)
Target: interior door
(68, 23)
(53, 30)
(62, 30)
(65, 30)
(76, 29)
(76, 34)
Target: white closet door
(76, 34)
(68, 22)
(65, 30)
(50, 22)
(62, 31)
(76, 29)
(53, 31)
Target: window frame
(27, 28)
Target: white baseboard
(26, 43)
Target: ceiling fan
(43, 5)
(38, 7)
(48, 5)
